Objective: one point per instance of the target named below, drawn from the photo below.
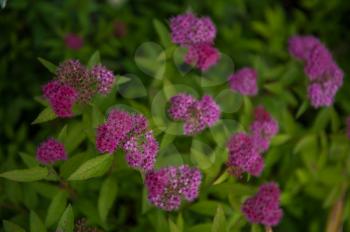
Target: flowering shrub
(246, 137)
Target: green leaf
(29, 160)
(201, 228)
(163, 33)
(50, 66)
(70, 165)
(221, 178)
(122, 79)
(302, 109)
(46, 115)
(26, 175)
(66, 223)
(280, 139)
(173, 227)
(93, 168)
(56, 208)
(12, 227)
(219, 223)
(107, 196)
(36, 224)
(63, 134)
(94, 59)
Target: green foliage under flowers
(309, 158)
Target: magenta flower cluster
(263, 208)
(244, 81)
(129, 132)
(325, 76)
(73, 41)
(168, 186)
(197, 35)
(74, 83)
(196, 114)
(50, 151)
(245, 150)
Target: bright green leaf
(12, 227)
(36, 224)
(94, 59)
(46, 115)
(219, 223)
(93, 168)
(173, 227)
(26, 175)
(66, 222)
(107, 196)
(50, 66)
(163, 33)
(56, 208)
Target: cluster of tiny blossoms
(245, 150)
(50, 151)
(197, 35)
(168, 186)
(74, 83)
(244, 81)
(129, 132)
(196, 114)
(325, 76)
(264, 207)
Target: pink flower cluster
(74, 83)
(245, 150)
(73, 41)
(244, 82)
(196, 34)
(50, 151)
(263, 208)
(129, 132)
(325, 76)
(196, 114)
(168, 186)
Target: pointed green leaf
(29, 160)
(26, 175)
(163, 33)
(12, 227)
(107, 196)
(93, 168)
(63, 134)
(66, 223)
(46, 115)
(56, 208)
(36, 224)
(50, 66)
(173, 227)
(219, 223)
(122, 79)
(94, 59)
(302, 109)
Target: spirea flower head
(202, 56)
(105, 78)
(263, 208)
(196, 114)
(325, 77)
(168, 186)
(263, 128)
(50, 151)
(179, 106)
(188, 29)
(74, 74)
(61, 98)
(141, 151)
(73, 41)
(300, 46)
(244, 82)
(114, 132)
(243, 157)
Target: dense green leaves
(93, 168)
(26, 175)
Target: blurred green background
(310, 162)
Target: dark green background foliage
(309, 158)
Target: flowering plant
(196, 146)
